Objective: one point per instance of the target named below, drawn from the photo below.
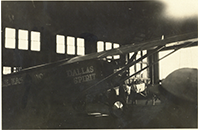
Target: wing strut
(120, 82)
(176, 49)
(118, 72)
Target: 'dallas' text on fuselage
(83, 74)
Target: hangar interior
(44, 32)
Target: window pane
(35, 36)
(60, 49)
(23, 34)
(80, 42)
(6, 70)
(131, 54)
(138, 55)
(60, 44)
(70, 41)
(116, 56)
(80, 51)
(131, 70)
(108, 45)
(10, 38)
(80, 46)
(35, 41)
(109, 57)
(100, 46)
(60, 39)
(16, 69)
(23, 39)
(138, 67)
(144, 52)
(70, 45)
(10, 43)
(10, 32)
(23, 44)
(71, 50)
(35, 46)
(115, 45)
(144, 73)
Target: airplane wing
(134, 47)
(122, 50)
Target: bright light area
(9, 38)
(70, 45)
(187, 57)
(108, 45)
(6, 70)
(144, 73)
(116, 45)
(118, 104)
(140, 87)
(181, 42)
(116, 56)
(35, 41)
(23, 40)
(181, 8)
(80, 46)
(60, 44)
(137, 67)
(109, 57)
(16, 69)
(131, 69)
(100, 46)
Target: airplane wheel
(117, 109)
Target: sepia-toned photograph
(99, 64)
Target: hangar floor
(98, 116)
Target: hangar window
(115, 45)
(10, 38)
(108, 45)
(35, 41)
(100, 46)
(16, 69)
(70, 45)
(132, 68)
(60, 44)
(185, 57)
(23, 39)
(144, 64)
(6, 70)
(140, 65)
(80, 46)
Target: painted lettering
(12, 81)
(39, 76)
(91, 69)
(69, 73)
(80, 71)
(84, 78)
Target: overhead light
(181, 8)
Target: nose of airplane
(182, 83)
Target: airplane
(77, 81)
